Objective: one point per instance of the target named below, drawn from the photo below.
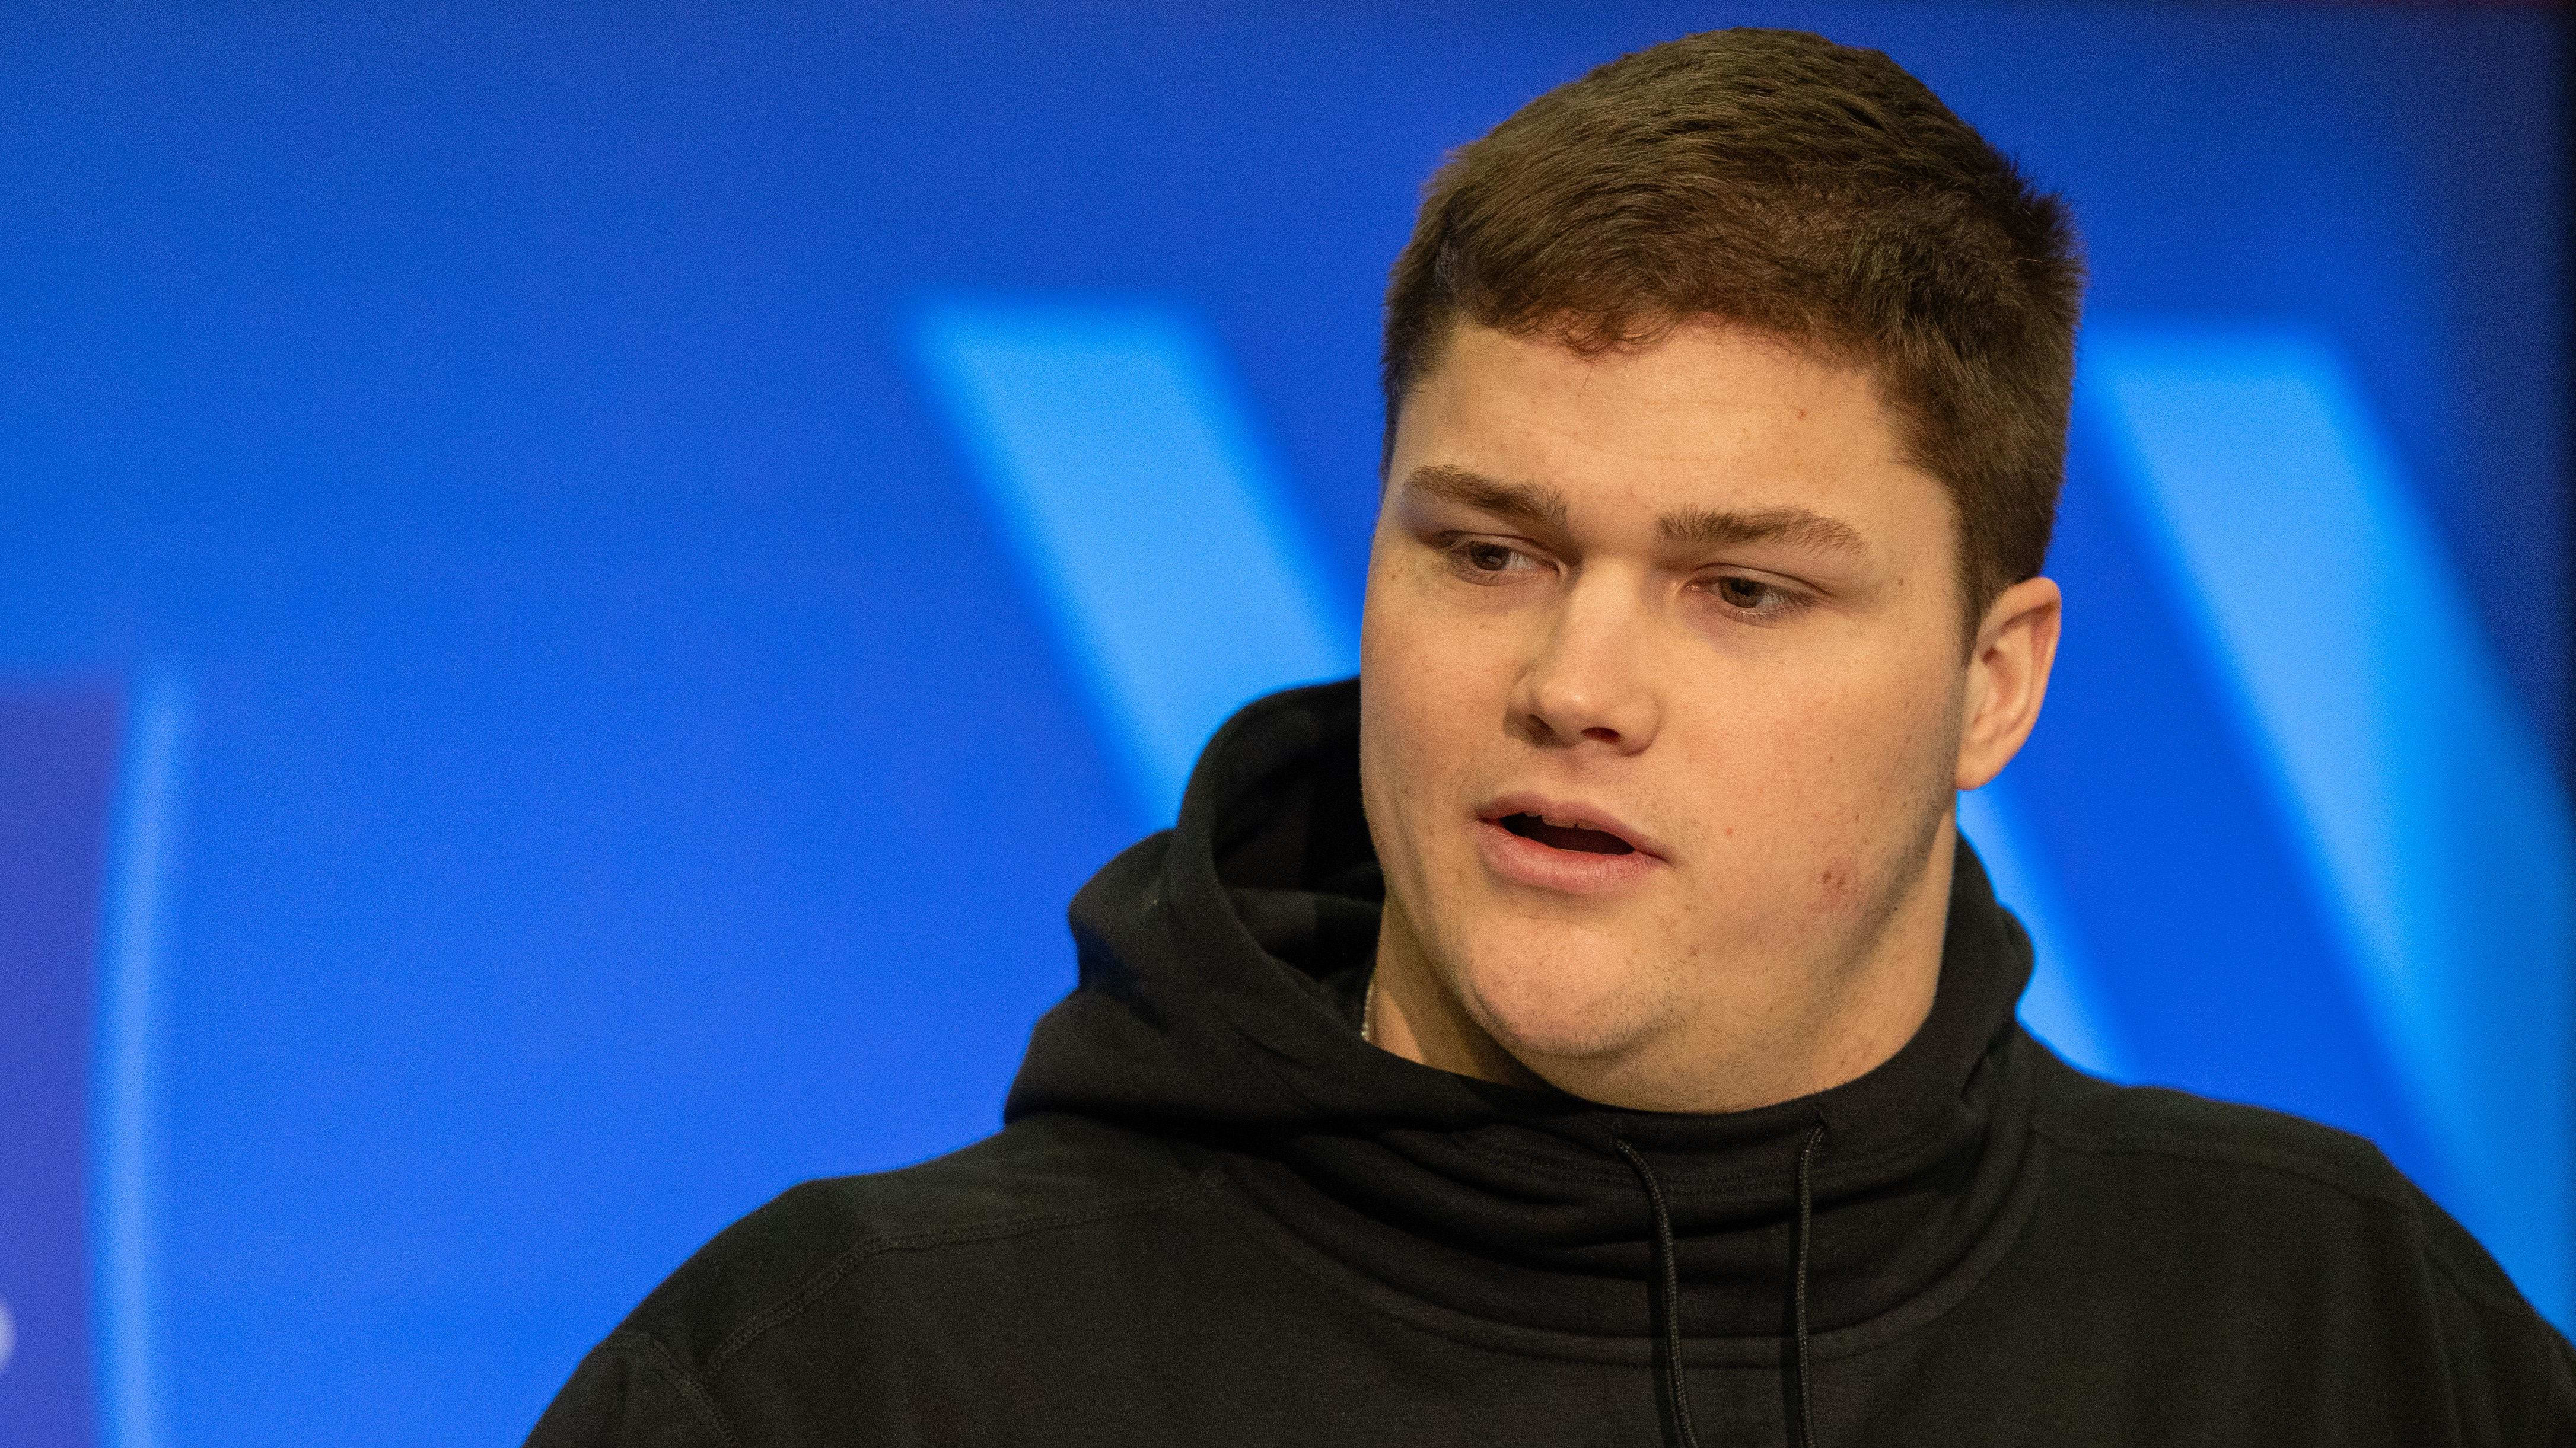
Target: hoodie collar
(1218, 962)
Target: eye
(1482, 560)
(1751, 598)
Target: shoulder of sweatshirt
(1040, 1174)
(2310, 1174)
(2081, 1113)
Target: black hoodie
(1216, 1215)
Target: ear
(2007, 677)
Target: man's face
(1662, 685)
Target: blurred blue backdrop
(579, 587)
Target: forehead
(1711, 415)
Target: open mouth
(1566, 837)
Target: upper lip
(1575, 815)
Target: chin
(1563, 1000)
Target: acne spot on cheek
(1834, 882)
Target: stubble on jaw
(1910, 898)
(1888, 907)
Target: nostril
(1602, 733)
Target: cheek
(1811, 780)
(1432, 695)
(1431, 683)
(1402, 717)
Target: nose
(1590, 684)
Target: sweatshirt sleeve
(2513, 1374)
(2562, 1398)
(628, 1394)
(2558, 1392)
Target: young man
(1588, 1027)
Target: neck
(1752, 1039)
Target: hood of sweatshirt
(1221, 967)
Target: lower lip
(1572, 872)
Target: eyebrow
(1798, 527)
(1525, 502)
(1689, 527)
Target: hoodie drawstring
(1798, 1303)
(1676, 1390)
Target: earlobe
(2008, 677)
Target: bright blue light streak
(2431, 816)
(1129, 482)
(125, 1119)
(2061, 1005)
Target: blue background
(612, 751)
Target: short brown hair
(1775, 179)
